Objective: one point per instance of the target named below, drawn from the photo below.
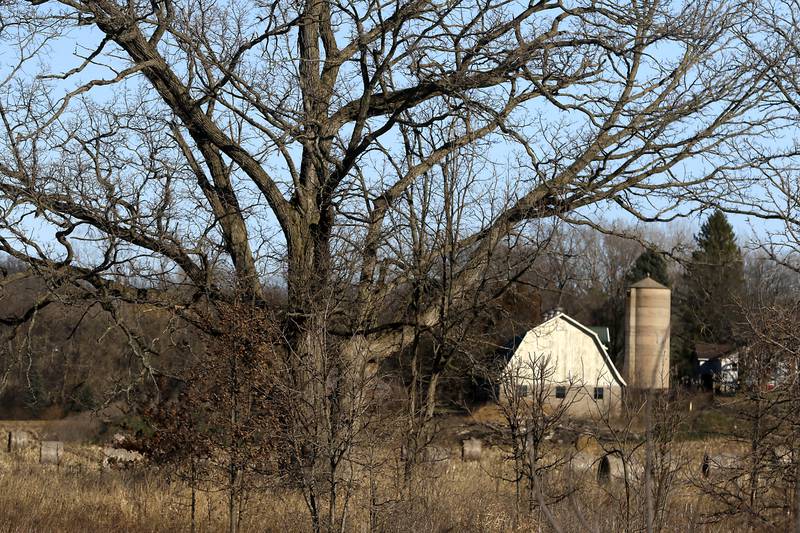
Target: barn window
(561, 391)
(598, 393)
(522, 390)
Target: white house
(718, 366)
(566, 363)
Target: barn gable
(576, 350)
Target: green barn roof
(603, 333)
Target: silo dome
(647, 326)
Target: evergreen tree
(652, 264)
(714, 283)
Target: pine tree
(652, 264)
(714, 283)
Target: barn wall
(580, 402)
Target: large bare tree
(216, 145)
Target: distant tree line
(56, 360)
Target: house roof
(588, 331)
(709, 350)
(648, 283)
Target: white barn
(566, 362)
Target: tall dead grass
(452, 496)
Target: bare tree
(219, 145)
(254, 415)
(532, 412)
(774, 38)
(758, 481)
(216, 434)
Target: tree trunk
(796, 491)
(194, 495)
(648, 466)
(232, 514)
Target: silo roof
(648, 283)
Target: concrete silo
(647, 326)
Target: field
(81, 496)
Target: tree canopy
(649, 264)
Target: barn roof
(603, 333)
(588, 331)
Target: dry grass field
(79, 496)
